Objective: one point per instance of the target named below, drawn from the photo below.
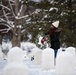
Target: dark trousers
(55, 53)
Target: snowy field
(38, 66)
(33, 69)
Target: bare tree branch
(3, 29)
(5, 14)
(11, 9)
(2, 20)
(22, 10)
(6, 18)
(4, 7)
(12, 1)
(5, 24)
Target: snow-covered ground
(36, 69)
(33, 69)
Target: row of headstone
(45, 58)
(15, 65)
(65, 61)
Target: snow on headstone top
(60, 50)
(15, 55)
(71, 50)
(48, 49)
(36, 49)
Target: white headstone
(71, 50)
(38, 56)
(47, 59)
(15, 69)
(31, 54)
(15, 55)
(65, 64)
(59, 50)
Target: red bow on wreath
(43, 40)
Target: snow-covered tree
(36, 16)
(13, 15)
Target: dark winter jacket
(54, 37)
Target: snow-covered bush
(47, 59)
(16, 69)
(15, 54)
(65, 64)
(6, 46)
(2, 55)
(28, 46)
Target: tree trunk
(0, 39)
(16, 38)
(17, 30)
(16, 35)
